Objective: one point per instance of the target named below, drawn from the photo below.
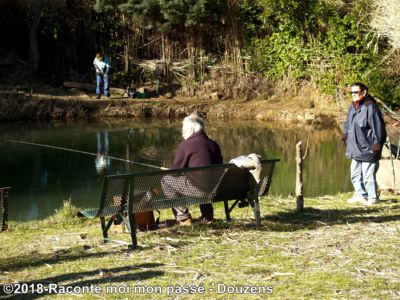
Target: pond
(42, 178)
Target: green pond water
(42, 178)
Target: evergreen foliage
(165, 16)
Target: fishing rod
(85, 152)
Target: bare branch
(386, 21)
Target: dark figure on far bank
(197, 150)
(101, 64)
(364, 135)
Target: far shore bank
(27, 106)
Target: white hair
(192, 124)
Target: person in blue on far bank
(364, 135)
(101, 64)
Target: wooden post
(299, 178)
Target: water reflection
(42, 178)
(102, 161)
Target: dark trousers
(173, 186)
(102, 83)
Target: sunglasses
(355, 92)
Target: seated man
(196, 151)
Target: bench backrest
(149, 191)
(239, 183)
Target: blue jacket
(364, 131)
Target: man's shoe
(370, 202)
(98, 97)
(186, 222)
(207, 221)
(356, 199)
(120, 228)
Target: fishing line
(85, 152)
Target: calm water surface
(41, 178)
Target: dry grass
(332, 251)
(386, 20)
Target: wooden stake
(299, 178)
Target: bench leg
(132, 226)
(255, 204)
(227, 210)
(105, 228)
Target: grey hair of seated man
(192, 124)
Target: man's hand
(344, 138)
(377, 150)
(98, 70)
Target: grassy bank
(332, 251)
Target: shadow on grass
(218, 228)
(33, 259)
(78, 281)
(313, 218)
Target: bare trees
(386, 20)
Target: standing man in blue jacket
(365, 135)
(101, 64)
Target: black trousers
(173, 186)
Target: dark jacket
(364, 131)
(197, 151)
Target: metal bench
(127, 194)
(4, 207)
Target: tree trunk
(126, 46)
(233, 39)
(163, 55)
(34, 20)
(191, 51)
(71, 55)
